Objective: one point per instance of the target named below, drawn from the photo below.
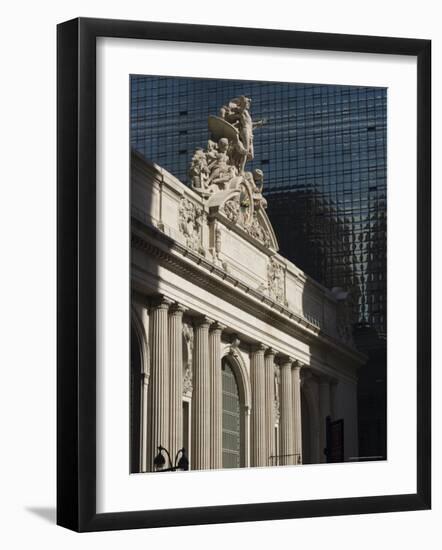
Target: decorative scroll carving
(187, 364)
(190, 224)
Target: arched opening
(233, 416)
(135, 401)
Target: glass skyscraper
(323, 153)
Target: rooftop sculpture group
(218, 173)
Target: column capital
(297, 364)
(217, 326)
(160, 301)
(270, 352)
(258, 347)
(202, 321)
(177, 309)
(285, 360)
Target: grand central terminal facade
(238, 358)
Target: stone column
(159, 376)
(176, 378)
(258, 428)
(201, 396)
(324, 411)
(286, 413)
(270, 403)
(297, 420)
(144, 459)
(143, 317)
(216, 403)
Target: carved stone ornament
(257, 231)
(231, 209)
(217, 173)
(234, 345)
(216, 248)
(190, 224)
(276, 409)
(187, 364)
(275, 281)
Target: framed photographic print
(234, 208)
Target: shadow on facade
(156, 243)
(314, 237)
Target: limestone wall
(161, 200)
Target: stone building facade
(236, 354)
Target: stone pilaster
(216, 397)
(176, 378)
(159, 376)
(324, 411)
(286, 412)
(269, 374)
(297, 420)
(258, 419)
(201, 396)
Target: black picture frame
(76, 274)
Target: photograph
(220, 290)
(258, 273)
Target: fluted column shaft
(297, 421)
(324, 411)
(216, 404)
(286, 414)
(176, 378)
(144, 460)
(258, 419)
(159, 377)
(201, 397)
(269, 373)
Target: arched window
(232, 418)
